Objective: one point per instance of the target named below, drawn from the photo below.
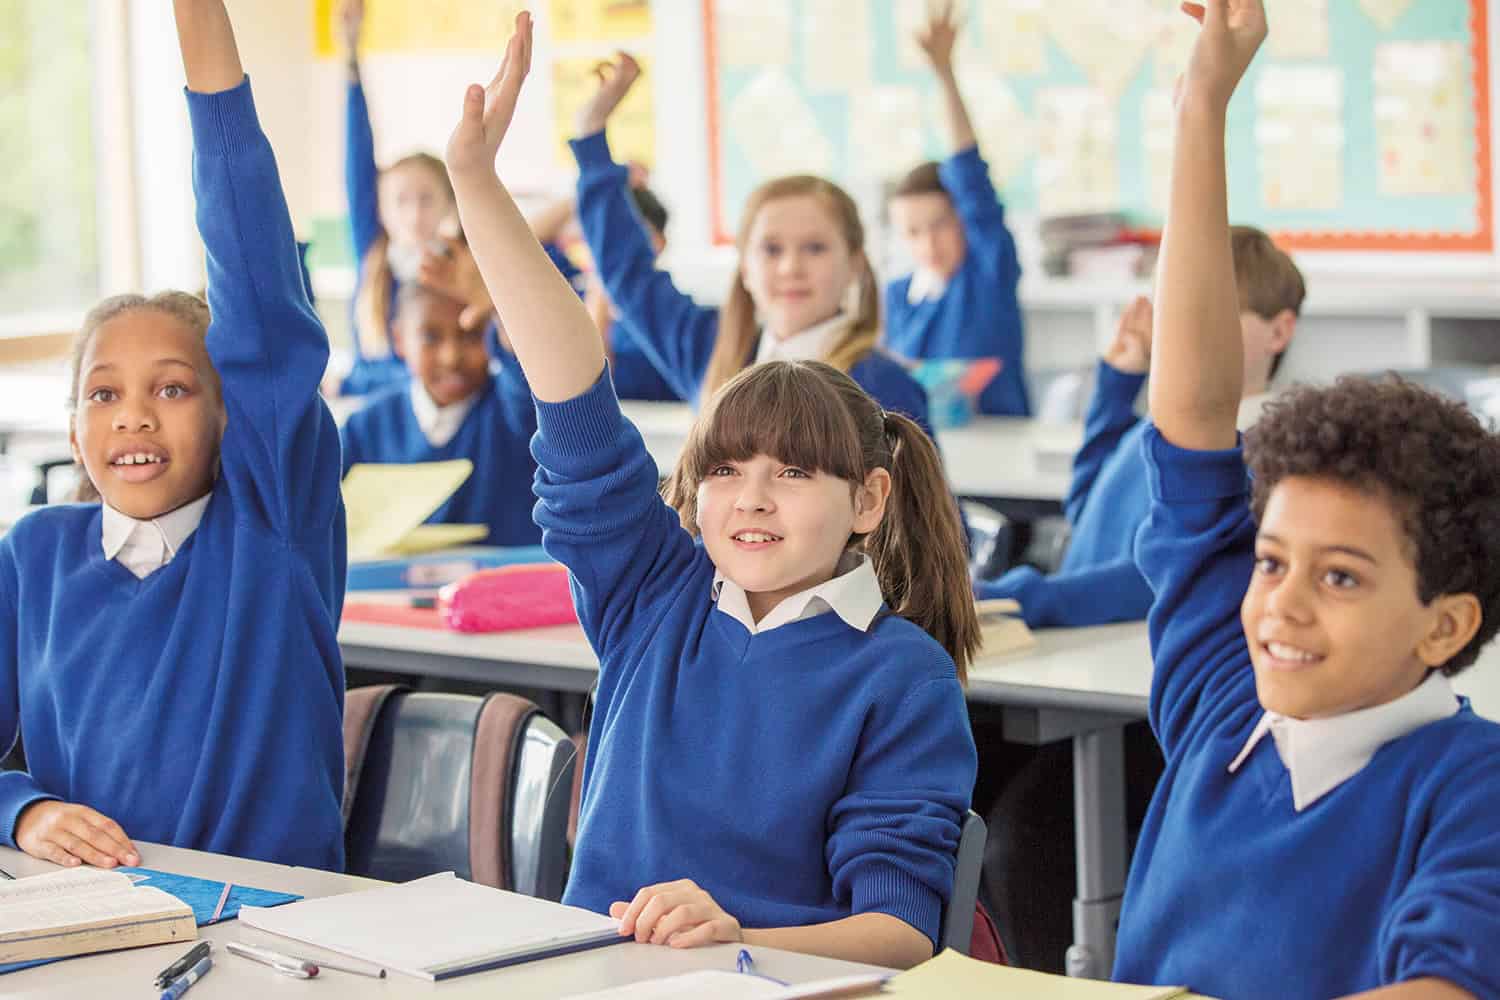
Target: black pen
(6, 874)
(183, 964)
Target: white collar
(145, 546)
(438, 423)
(812, 344)
(1322, 754)
(853, 594)
(925, 284)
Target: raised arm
(1196, 367)
(361, 177)
(280, 450)
(936, 40)
(674, 332)
(1111, 414)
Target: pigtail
(372, 309)
(918, 549)
(864, 332)
(737, 332)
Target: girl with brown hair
(779, 714)
(804, 289)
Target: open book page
(92, 909)
(432, 925)
(66, 882)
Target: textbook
(81, 910)
(1000, 630)
(438, 927)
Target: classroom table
(1083, 685)
(130, 973)
(1014, 458)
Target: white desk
(1010, 457)
(130, 973)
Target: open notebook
(80, 910)
(438, 927)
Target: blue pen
(180, 985)
(744, 963)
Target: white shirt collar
(811, 344)
(143, 547)
(438, 424)
(853, 594)
(925, 284)
(1322, 754)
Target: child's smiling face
(450, 361)
(149, 417)
(1333, 615)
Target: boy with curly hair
(1327, 820)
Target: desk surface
(129, 973)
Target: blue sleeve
(894, 833)
(1099, 595)
(280, 454)
(601, 515)
(1446, 919)
(349, 447)
(674, 332)
(1196, 551)
(1111, 416)
(17, 788)
(361, 178)
(966, 177)
(564, 265)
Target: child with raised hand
(766, 726)
(803, 273)
(1326, 823)
(170, 653)
(457, 405)
(961, 301)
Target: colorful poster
(599, 20)
(1425, 128)
(1012, 36)
(1106, 42)
(775, 130)
(413, 25)
(887, 131)
(1078, 141)
(1300, 135)
(843, 67)
(632, 128)
(1299, 29)
(1385, 13)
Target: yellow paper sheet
(632, 128)
(600, 20)
(431, 537)
(411, 25)
(953, 975)
(383, 503)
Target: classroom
(619, 499)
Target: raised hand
(456, 275)
(1130, 351)
(352, 22)
(938, 36)
(488, 110)
(66, 833)
(615, 80)
(1232, 32)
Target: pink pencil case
(508, 597)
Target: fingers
(68, 834)
(110, 837)
(696, 937)
(639, 917)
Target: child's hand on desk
(680, 914)
(488, 110)
(1130, 351)
(66, 833)
(1232, 32)
(615, 81)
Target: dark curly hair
(1428, 455)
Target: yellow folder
(385, 505)
(952, 975)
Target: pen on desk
(374, 972)
(180, 985)
(189, 959)
(219, 908)
(744, 963)
(284, 964)
(6, 874)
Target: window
(49, 225)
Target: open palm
(1232, 32)
(488, 111)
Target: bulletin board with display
(1361, 125)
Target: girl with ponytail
(780, 752)
(804, 289)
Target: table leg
(1100, 842)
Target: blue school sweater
(978, 315)
(361, 180)
(202, 706)
(673, 331)
(495, 436)
(1393, 875)
(1107, 501)
(799, 776)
